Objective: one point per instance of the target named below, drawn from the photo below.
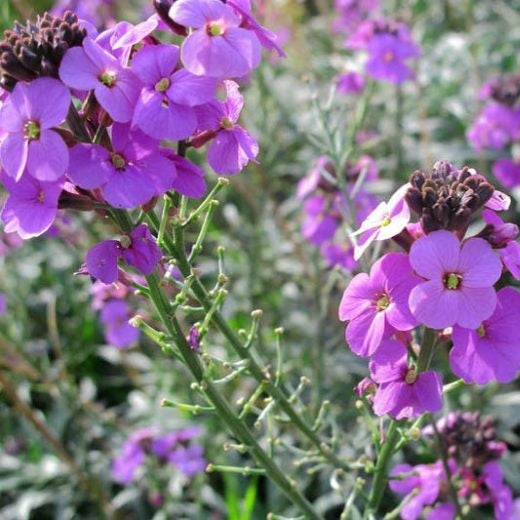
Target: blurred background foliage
(76, 399)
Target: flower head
(490, 351)
(118, 332)
(376, 305)
(218, 47)
(28, 117)
(458, 289)
(402, 391)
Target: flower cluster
(473, 451)
(89, 120)
(388, 44)
(327, 210)
(149, 446)
(498, 125)
(444, 281)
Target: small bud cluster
(36, 49)
(474, 474)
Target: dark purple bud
(162, 7)
(194, 338)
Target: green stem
(427, 350)
(178, 250)
(381, 470)
(224, 410)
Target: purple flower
(101, 261)
(118, 332)
(350, 83)
(190, 178)
(425, 480)
(124, 467)
(459, 282)
(28, 117)
(164, 109)
(501, 233)
(385, 221)
(387, 55)
(267, 39)
(143, 253)
(217, 47)
(494, 127)
(443, 511)
(402, 392)
(31, 205)
(510, 256)
(189, 460)
(3, 304)
(507, 172)
(138, 249)
(194, 338)
(232, 147)
(341, 255)
(501, 495)
(130, 175)
(378, 304)
(322, 219)
(490, 351)
(92, 68)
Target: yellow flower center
(162, 85)
(452, 281)
(481, 331)
(388, 56)
(383, 302)
(32, 130)
(226, 123)
(214, 29)
(118, 161)
(386, 221)
(411, 376)
(108, 79)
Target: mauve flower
(233, 147)
(494, 127)
(402, 391)
(385, 221)
(500, 232)
(164, 109)
(350, 83)
(189, 460)
(217, 47)
(143, 252)
(510, 256)
(490, 352)
(387, 55)
(425, 480)
(444, 511)
(322, 219)
(378, 304)
(501, 494)
(90, 67)
(28, 117)
(31, 205)
(459, 281)
(118, 332)
(125, 465)
(267, 39)
(341, 255)
(138, 249)
(128, 176)
(507, 171)
(190, 177)
(101, 261)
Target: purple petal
(188, 89)
(128, 189)
(155, 62)
(78, 71)
(11, 120)
(49, 101)
(197, 13)
(475, 305)
(190, 178)
(13, 154)
(434, 305)
(435, 254)
(89, 166)
(358, 296)
(101, 261)
(231, 150)
(478, 264)
(48, 156)
(365, 333)
(119, 100)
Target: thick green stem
(392, 435)
(222, 407)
